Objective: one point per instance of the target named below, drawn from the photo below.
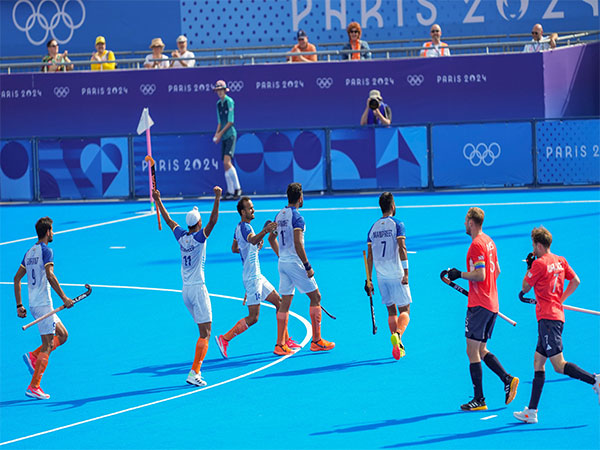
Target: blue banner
(16, 170)
(568, 152)
(89, 168)
(473, 155)
(379, 158)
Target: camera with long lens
(374, 103)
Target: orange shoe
(321, 346)
(282, 350)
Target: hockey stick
(326, 312)
(60, 308)
(533, 301)
(370, 296)
(153, 170)
(463, 291)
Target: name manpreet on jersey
(34, 262)
(288, 220)
(383, 237)
(248, 252)
(482, 254)
(193, 255)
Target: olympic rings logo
(415, 80)
(61, 91)
(481, 153)
(324, 83)
(48, 26)
(235, 86)
(147, 89)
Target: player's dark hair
(42, 226)
(542, 236)
(476, 215)
(241, 204)
(294, 191)
(385, 201)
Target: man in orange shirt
(546, 275)
(435, 47)
(482, 262)
(303, 46)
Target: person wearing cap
(182, 52)
(157, 47)
(355, 43)
(192, 244)
(435, 47)
(376, 112)
(303, 46)
(227, 135)
(101, 54)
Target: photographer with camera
(376, 112)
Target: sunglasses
(353, 31)
(436, 31)
(535, 33)
(53, 45)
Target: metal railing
(130, 60)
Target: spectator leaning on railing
(53, 59)
(157, 47)
(435, 47)
(303, 46)
(538, 42)
(182, 52)
(376, 112)
(101, 54)
(355, 43)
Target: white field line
(195, 391)
(489, 417)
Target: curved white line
(239, 377)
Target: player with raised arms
(258, 288)
(38, 265)
(192, 244)
(295, 269)
(386, 243)
(483, 307)
(546, 275)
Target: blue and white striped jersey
(384, 244)
(288, 220)
(248, 252)
(35, 261)
(193, 255)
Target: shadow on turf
(330, 368)
(506, 429)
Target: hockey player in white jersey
(38, 264)
(294, 268)
(192, 244)
(386, 242)
(258, 288)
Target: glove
(369, 288)
(529, 260)
(453, 274)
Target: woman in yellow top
(101, 54)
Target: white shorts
(293, 275)
(393, 292)
(48, 325)
(257, 290)
(197, 301)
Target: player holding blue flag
(294, 268)
(386, 242)
(192, 244)
(258, 288)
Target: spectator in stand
(303, 46)
(54, 59)
(435, 47)
(157, 47)
(182, 52)
(376, 112)
(354, 33)
(538, 43)
(101, 54)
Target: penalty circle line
(175, 397)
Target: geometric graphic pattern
(15, 170)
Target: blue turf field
(131, 342)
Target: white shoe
(596, 385)
(195, 379)
(527, 415)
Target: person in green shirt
(227, 135)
